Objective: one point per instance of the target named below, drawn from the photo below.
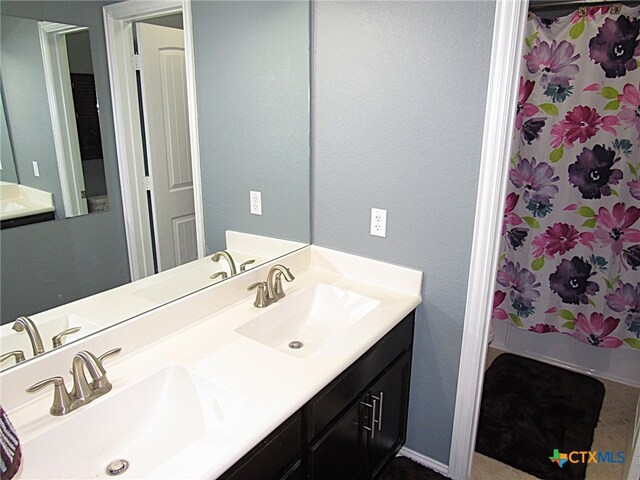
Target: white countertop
(271, 385)
(21, 201)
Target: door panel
(164, 101)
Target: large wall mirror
(251, 75)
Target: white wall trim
(425, 461)
(510, 19)
(63, 115)
(119, 41)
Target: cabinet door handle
(372, 425)
(379, 399)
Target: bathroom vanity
(351, 428)
(209, 386)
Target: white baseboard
(424, 461)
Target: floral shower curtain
(570, 258)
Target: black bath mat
(530, 409)
(402, 468)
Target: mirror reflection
(52, 162)
(71, 278)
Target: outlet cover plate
(256, 202)
(378, 222)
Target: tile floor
(613, 433)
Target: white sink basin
(11, 340)
(313, 317)
(156, 425)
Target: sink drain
(117, 467)
(296, 344)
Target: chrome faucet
(271, 291)
(83, 392)
(26, 324)
(227, 256)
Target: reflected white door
(164, 101)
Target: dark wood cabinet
(351, 429)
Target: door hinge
(137, 61)
(147, 184)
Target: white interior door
(164, 100)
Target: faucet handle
(61, 400)
(57, 340)
(243, 266)
(222, 275)
(261, 294)
(18, 354)
(108, 353)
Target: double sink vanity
(310, 382)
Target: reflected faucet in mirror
(227, 256)
(26, 324)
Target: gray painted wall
(27, 107)
(252, 74)
(52, 263)
(399, 91)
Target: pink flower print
(614, 227)
(543, 328)
(525, 109)
(595, 330)
(540, 244)
(535, 179)
(591, 14)
(510, 218)
(581, 124)
(498, 298)
(629, 114)
(634, 188)
(553, 62)
(561, 238)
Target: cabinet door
(274, 457)
(339, 454)
(391, 395)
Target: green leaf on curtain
(527, 40)
(592, 303)
(609, 93)
(569, 325)
(609, 284)
(633, 169)
(556, 154)
(538, 263)
(516, 320)
(591, 223)
(614, 192)
(532, 222)
(587, 212)
(566, 314)
(549, 108)
(577, 29)
(632, 342)
(612, 105)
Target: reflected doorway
(161, 78)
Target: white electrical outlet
(256, 202)
(36, 169)
(378, 222)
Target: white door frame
(508, 33)
(118, 20)
(63, 114)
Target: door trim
(63, 115)
(508, 33)
(118, 20)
